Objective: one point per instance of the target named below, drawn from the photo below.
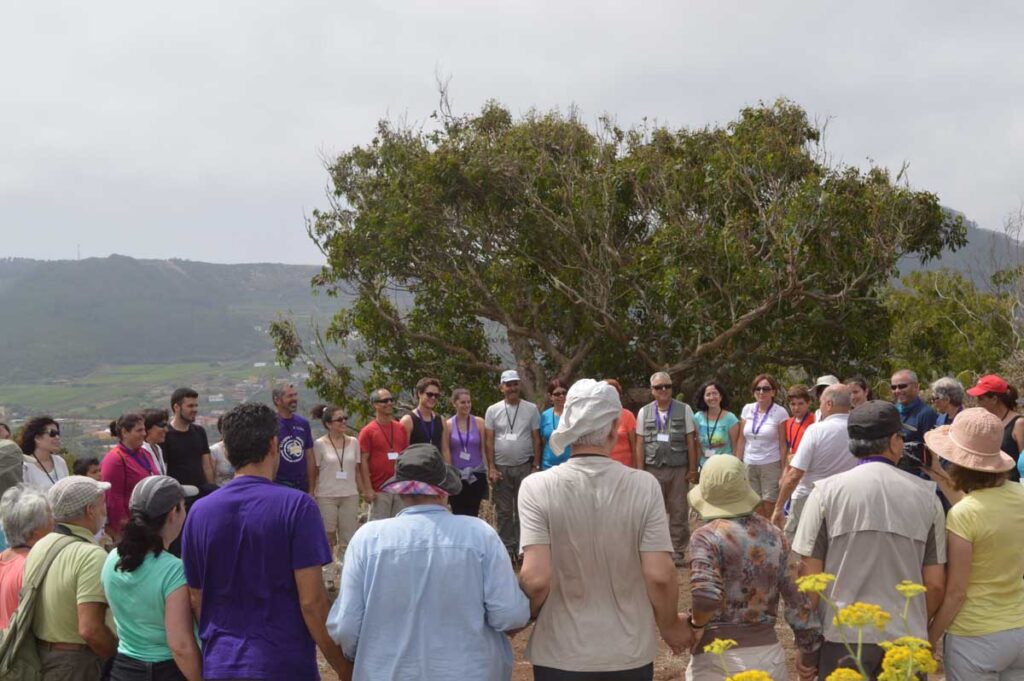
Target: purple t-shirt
(294, 437)
(240, 547)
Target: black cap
(423, 462)
(874, 420)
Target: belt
(49, 645)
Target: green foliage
(943, 324)
(490, 241)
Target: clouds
(195, 130)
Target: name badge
(341, 475)
(662, 437)
(511, 437)
(392, 456)
(465, 456)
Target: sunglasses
(386, 400)
(53, 433)
(434, 395)
(764, 389)
(899, 386)
(559, 393)
(340, 419)
(162, 424)
(663, 386)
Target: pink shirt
(12, 569)
(123, 469)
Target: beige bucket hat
(973, 441)
(723, 491)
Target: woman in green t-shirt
(982, 611)
(146, 589)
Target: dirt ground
(666, 665)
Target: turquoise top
(138, 601)
(548, 424)
(714, 437)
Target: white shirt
(763, 446)
(823, 452)
(34, 475)
(158, 455)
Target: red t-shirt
(795, 431)
(622, 452)
(11, 572)
(375, 443)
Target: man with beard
(294, 441)
(186, 449)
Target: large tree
(484, 241)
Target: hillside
(66, 318)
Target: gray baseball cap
(158, 494)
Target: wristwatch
(694, 625)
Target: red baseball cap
(989, 384)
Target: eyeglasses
(385, 400)
(899, 386)
(763, 389)
(663, 386)
(434, 395)
(559, 393)
(53, 433)
(340, 419)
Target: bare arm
(790, 480)
(811, 566)
(406, 422)
(535, 575)
(1018, 434)
(180, 639)
(740, 440)
(364, 474)
(734, 437)
(934, 577)
(446, 441)
(94, 631)
(538, 448)
(663, 591)
(195, 597)
(783, 446)
(638, 461)
(312, 472)
(941, 478)
(693, 455)
(314, 604)
(208, 468)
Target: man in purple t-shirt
(253, 553)
(294, 441)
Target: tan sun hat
(723, 491)
(973, 441)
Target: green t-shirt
(137, 600)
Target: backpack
(19, 659)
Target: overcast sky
(196, 129)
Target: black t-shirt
(183, 452)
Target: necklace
(709, 432)
(755, 426)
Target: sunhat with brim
(422, 462)
(723, 491)
(973, 441)
(988, 384)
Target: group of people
(248, 536)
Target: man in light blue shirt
(427, 594)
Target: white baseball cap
(509, 375)
(826, 380)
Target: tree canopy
(485, 241)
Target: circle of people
(172, 559)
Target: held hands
(779, 518)
(493, 475)
(680, 636)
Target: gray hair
(947, 388)
(375, 395)
(278, 391)
(840, 395)
(660, 374)
(911, 375)
(596, 438)
(865, 448)
(23, 511)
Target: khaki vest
(673, 452)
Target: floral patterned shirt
(739, 567)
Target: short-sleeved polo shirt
(73, 579)
(873, 526)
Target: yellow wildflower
(843, 674)
(910, 589)
(901, 661)
(909, 641)
(859, 615)
(815, 583)
(720, 645)
(751, 675)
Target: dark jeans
(835, 656)
(645, 673)
(467, 502)
(127, 668)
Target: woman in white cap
(738, 572)
(146, 589)
(982, 613)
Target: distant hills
(68, 317)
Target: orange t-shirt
(622, 451)
(11, 572)
(795, 431)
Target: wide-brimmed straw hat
(974, 441)
(723, 491)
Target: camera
(914, 457)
